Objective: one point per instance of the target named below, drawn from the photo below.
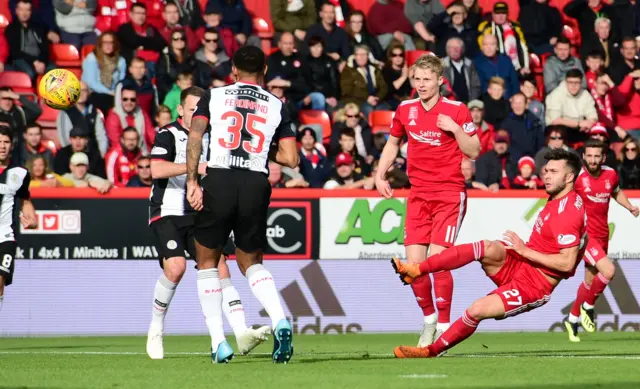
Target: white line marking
(424, 376)
(361, 355)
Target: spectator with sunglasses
(143, 179)
(396, 75)
(175, 59)
(555, 139)
(138, 80)
(629, 169)
(350, 117)
(171, 16)
(129, 114)
(213, 65)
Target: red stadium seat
(272, 50)
(65, 55)
(86, 49)
(264, 31)
(148, 55)
(412, 56)
(50, 135)
(76, 71)
(617, 148)
(18, 81)
(537, 70)
(309, 116)
(536, 63)
(4, 22)
(380, 121)
(48, 117)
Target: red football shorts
(434, 218)
(595, 251)
(521, 286)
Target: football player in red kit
(440, 132)
(596, 184)
(526, 274)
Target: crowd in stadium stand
(550, 78)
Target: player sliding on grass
(173, 222)
(596, 184)
(525, 274)
(441, 133)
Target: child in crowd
(526, 179)
(496, 107)
(595, 64)
(163, 116)
(172, 99)
(348, 145)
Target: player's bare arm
(565, 261)
(165, 169)
(28, 217)
(286, 153)
(470, 145)
(387, 158)
(622, 199)
(194, 148)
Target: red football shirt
(433, 155)
(596, 193)
(561, 224)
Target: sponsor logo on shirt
(566, 239)
(602, 198)
(413, 112)
(159, 151)
(236, 161)
(430, 137)
(607, 185)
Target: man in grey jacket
(76, 21)
(420, 13)
(460, 72)
(559, 64)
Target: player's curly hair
(430, 62)
(572, 159)
(6, 131)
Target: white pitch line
(424, 376)
(362, 355)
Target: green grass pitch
(487, 360)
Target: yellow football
(59, 89)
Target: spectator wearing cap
(213, 65)
(171, 16)
(490, 63)
(600, 133)
(555, 139)
(386, 21)
(32, 146)
(527, 178)
(586, 12)
(284, 70)
(314, 165)
(453, 23)
(557, 65)
(336, 40)
(143, 179)
(571, 106)
(121, 162)
(495, 169)
(526, 132)
(461, 72)
(345, 176)
(541, 25)
(420, 13)
(213, 20)
(511, 40)
(293, 16)
(535, 106)
(79, 166)
(486, 131)
(348, 145)
(236, 17)
(85, 116)
(79, 142)
(76, 21)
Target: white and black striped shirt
(14, 182)
(169, 195)
(244, 121)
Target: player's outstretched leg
(606, 272)
(173, 270)
(210, 294)
(246, 338)
(450, 259)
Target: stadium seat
(537, 70)
(48, 117)
(65, 55)
(380, 121)
(4, 22)
(148, 55)
(616, 147)
(412, 56)
(86, 49)
(76, 71)
(272, 50)
(264, 31)
(18, 81)
(51, 135)
(309, 116)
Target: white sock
(162, 295)
(431, 319)
(442, 326)
(210, 294)
(232, 307)
(573, 319)
(584, 305)
(264, 288)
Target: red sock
(421, 287)
(453, 258)
(583, 293)
(443, 289)
(460, 330)
(598, 286)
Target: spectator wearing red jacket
(129, 114)
(4, 51)
(121, 160)
(171, 17)
(629, 114)
(486, 132)
(140, 34)
(387, 22)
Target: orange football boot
(412, 352)
(407, 271)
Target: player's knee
(477, 310)
(174, 269)
(607, 269)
